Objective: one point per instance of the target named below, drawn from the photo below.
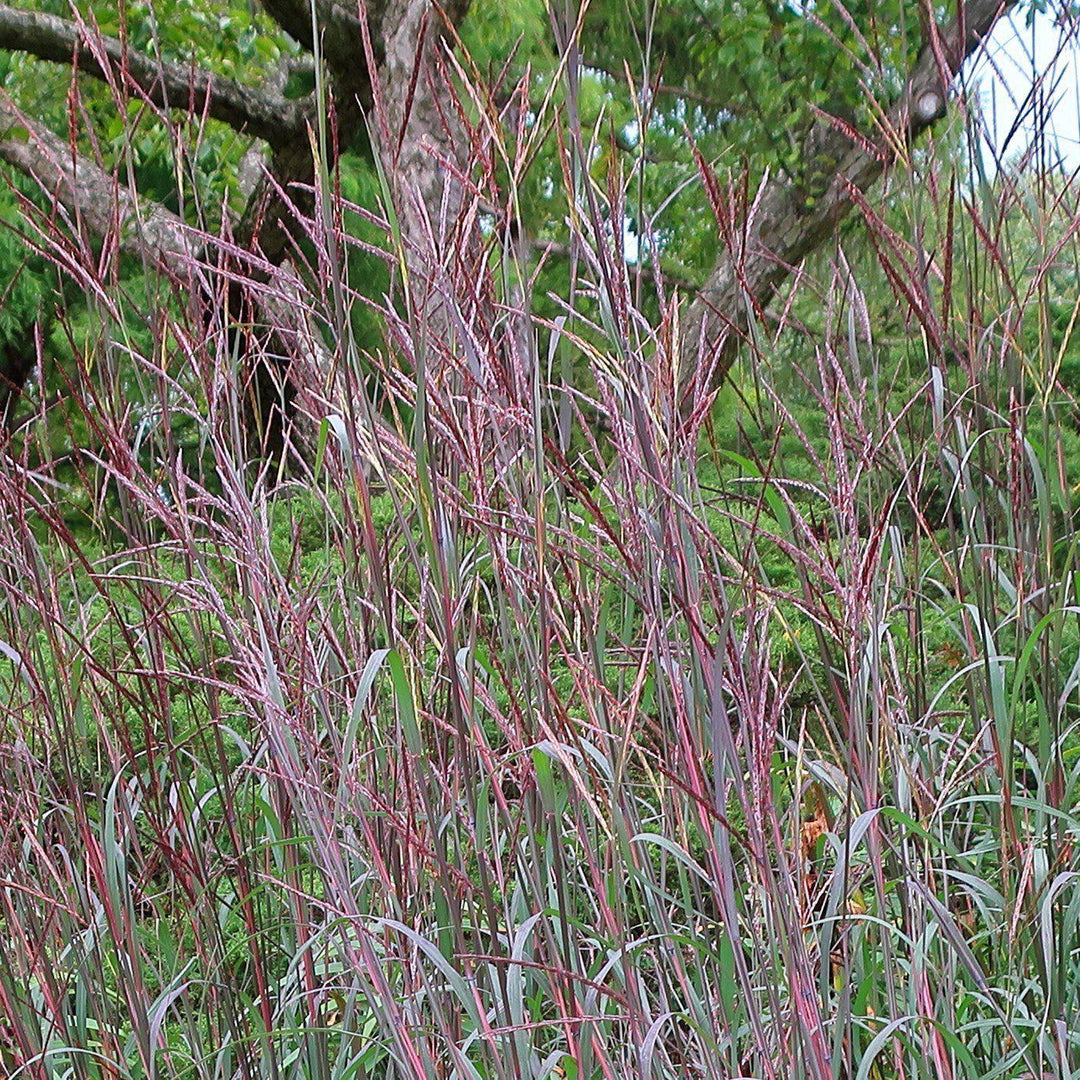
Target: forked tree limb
(401, 40)
(260, 113)
(782, 230)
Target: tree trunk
(423, 152)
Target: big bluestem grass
(527, 721)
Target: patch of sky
(1027, 86)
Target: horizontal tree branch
(93, 197)
(783, 229)
(263, 114)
